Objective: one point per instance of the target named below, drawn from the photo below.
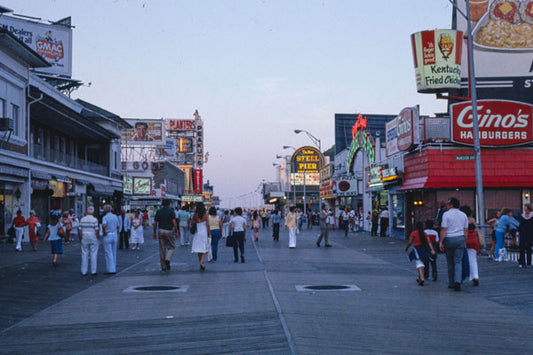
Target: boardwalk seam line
(276, 304)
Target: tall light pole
(294, 179)
(473, 98)
(317, 142)
(287, 159)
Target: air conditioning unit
(6, 124)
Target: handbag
(230, 241)
(209, 250)
(193, 228)
(11, 232)
(61, 232)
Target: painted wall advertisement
(501, 123)
(502, 34)
(144, 132)
(437, 60)
(53, 42)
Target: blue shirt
(110, 221)
(505, 221)
(53, 232)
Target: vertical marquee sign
(361, 139)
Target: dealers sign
(501, 123)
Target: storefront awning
(103, 190)
(61, 178)
(39, 175)
(446, 169)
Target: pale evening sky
(255, 70)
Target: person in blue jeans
(276, 219)
(110, 228)
(453, 232)
(215, 226)
(506, 220)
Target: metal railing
(62, 158)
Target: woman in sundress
(200, 243)
(136, 236)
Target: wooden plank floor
(221, 334)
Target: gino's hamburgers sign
(501, 123)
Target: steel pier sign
(501, 123)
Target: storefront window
(383, 200)
(398, 212)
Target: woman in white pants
(290, 224)
(472, 245)
(225, 224)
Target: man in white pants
(110, 227)
(88, 233)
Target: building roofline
(21, 50)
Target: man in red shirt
(19, 223)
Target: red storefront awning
(453, 168)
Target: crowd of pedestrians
(461, 240)
(454, 234)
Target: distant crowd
(453, 232)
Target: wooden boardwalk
(254, 308)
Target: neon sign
(361, 139)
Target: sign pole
(293, 185)
(477, 149)
(305, 207)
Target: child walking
(421, 243)
(52, 234)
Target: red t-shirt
(416, 238)
(19, 221)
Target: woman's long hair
(421, 234)
(200, 210)
(255, 215)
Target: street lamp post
(473, 98)
(292, 172)
(317, 142)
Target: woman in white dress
(136, 236)
(200, 243)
